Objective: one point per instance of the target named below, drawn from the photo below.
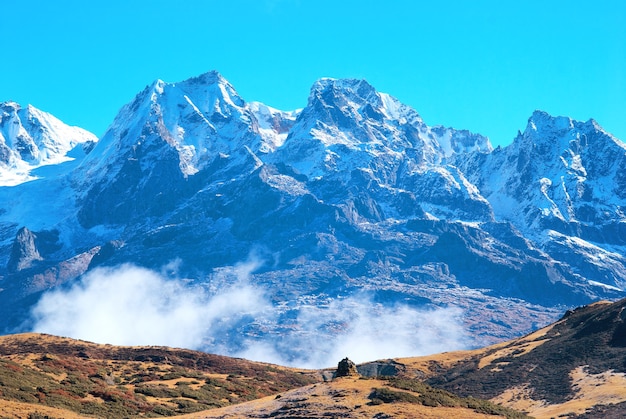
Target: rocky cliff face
(24, 253)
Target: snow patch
(605, 286)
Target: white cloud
(363, 331)
(129, 305)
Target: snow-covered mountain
(562, 183)
(353, 195)
(163, 145)
(30, 138)
(349, 135)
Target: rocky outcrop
(30, 247)
(346, 368)
(24, 252)
(388, 368)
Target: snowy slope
(562, 183)
(350, 134)
(173, 134)
(30, 138)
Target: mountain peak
(541, 121)
(30, 138)
(542, 126)
(211, 83)
(211, 86)
(210, 77)
(348, 84)
(333, 92)
(191, 121)
(157, 86)
(10, 106)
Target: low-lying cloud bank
(364, 331)
(129, 305)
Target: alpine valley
(350, 206)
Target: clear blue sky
(476, 64)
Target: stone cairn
(346, 368)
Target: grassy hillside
(44, 376)
(573, 368)
(108, 381)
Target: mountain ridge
(352, 194)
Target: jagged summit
(352, 112)
(347, 125)
(541, 124)
(10, 106)
(30, 138)
(562, 183)
(197, 119)
(212, 92)
(336, 92)
(210, 77)
(356, 99)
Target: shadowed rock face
(29, 248)
(346, 368)
(24, 252)
(388, 368)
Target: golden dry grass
(17, 410)
(345, 397)
(591, 389)
(428, 365)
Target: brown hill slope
(39, 372)
(47, 376)
(573, 368)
